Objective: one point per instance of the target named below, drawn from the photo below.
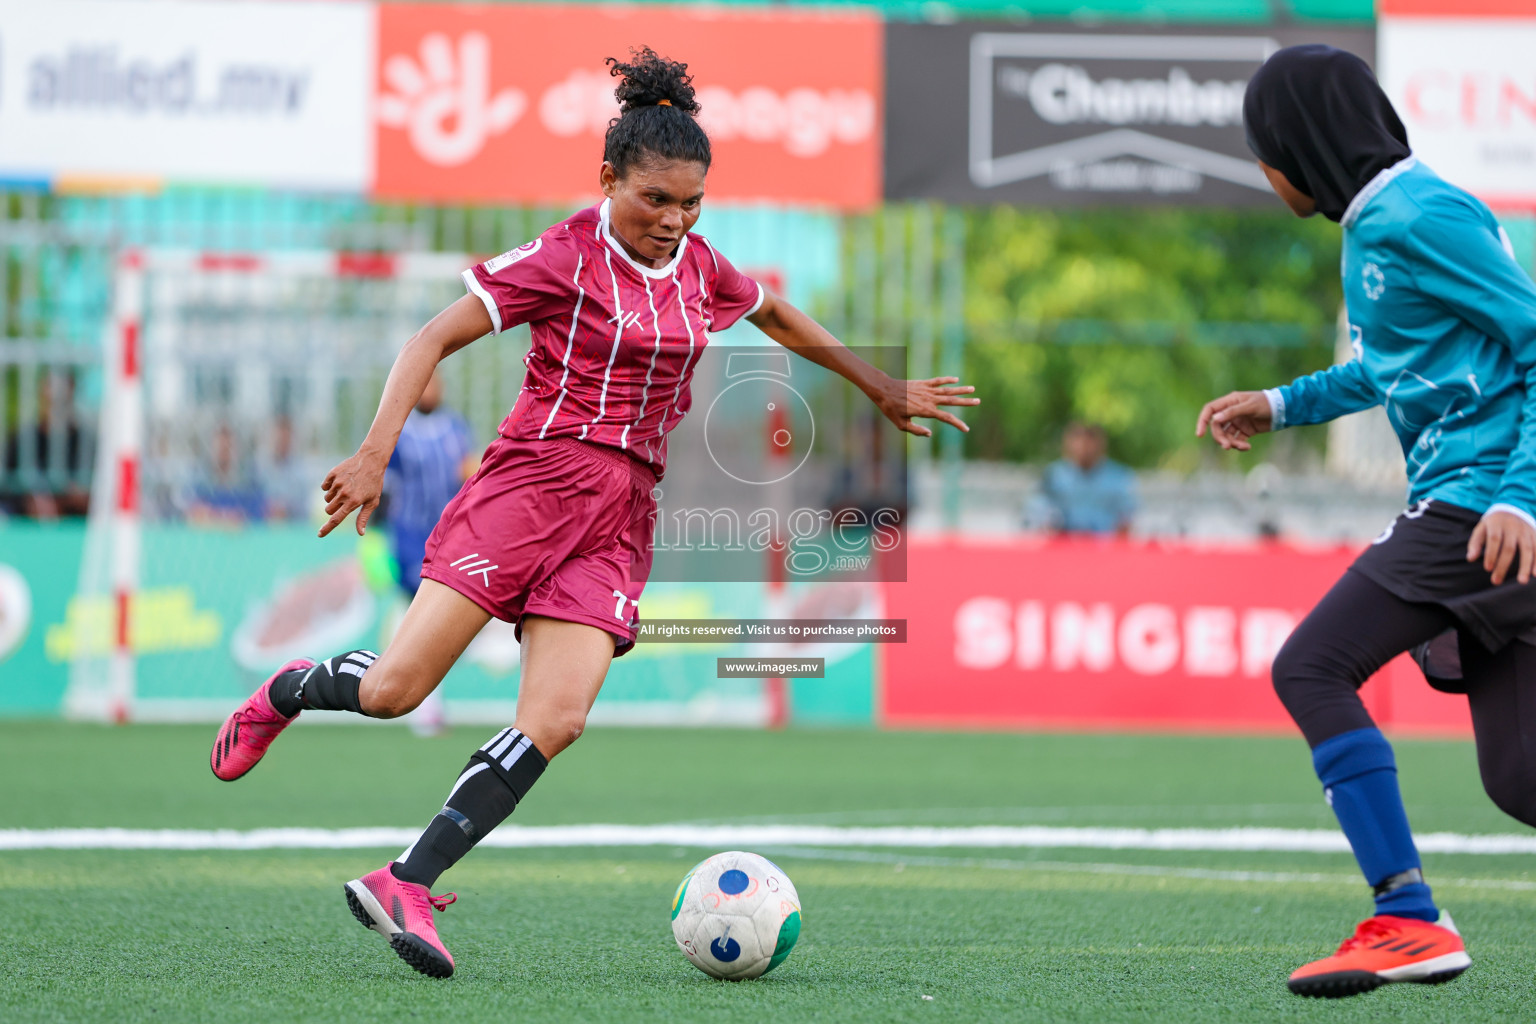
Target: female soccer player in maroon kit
(551, 532)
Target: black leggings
(1357, 628)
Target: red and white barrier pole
(776, 690)
(126, 437)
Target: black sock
(331, 685)
(496, 778)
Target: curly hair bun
(657, 114)
(648, 78)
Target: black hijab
(1317, 115)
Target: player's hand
(1499, 538)
(904, 400)
(1234, 418)
(354, 485)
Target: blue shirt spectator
(223, 489)
(1085, 491)
(290, 479)
(426, 470)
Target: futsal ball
(736, 915)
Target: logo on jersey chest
(625, 320)
(1373, 280)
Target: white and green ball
(736, 915)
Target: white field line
(1153, 870)
(748, 836)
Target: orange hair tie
(663, 103)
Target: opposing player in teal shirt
(1449, 321)
(1443, 324)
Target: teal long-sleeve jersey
(1443, 324)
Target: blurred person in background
(224, 491)
(43, 460)
(431, 461)
(1443, 322)
(553, 532)
(288, 476)
(1085, 491)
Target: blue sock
(1359, 778)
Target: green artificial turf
(582, 934)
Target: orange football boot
(1386, 949)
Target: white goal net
(234, 382)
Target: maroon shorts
(557, 527)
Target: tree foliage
(1134, 318)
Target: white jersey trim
(1276, 408)
(613, 243)
(570, 342)
(650, 372)
(758, 304)
(677, 392)
(1514, 510)
(1382, 180)
(761, 294)
(476, 288)
(618, 339)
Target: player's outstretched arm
(902, 401)
(357, 483)
(1235, 417)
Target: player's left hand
(1235, 417)
(904, 400)
(1498, 539)
(356, 484)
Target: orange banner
(509, 103)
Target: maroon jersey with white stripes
(615, 342)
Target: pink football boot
(402, 913)
(246, 734)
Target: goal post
(199, 341)
(231, 375)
